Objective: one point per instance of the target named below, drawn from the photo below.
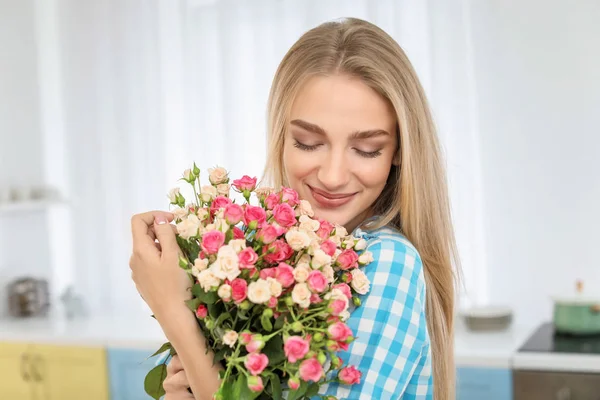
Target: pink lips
(330, 200)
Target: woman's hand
(163, 285)
(176, 384)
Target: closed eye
(305, 147)
(368, 154)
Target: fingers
(174, 365)
(140, 229)
(177, 383)
(166, 237)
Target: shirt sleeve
(391, 345)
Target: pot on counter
(579, 315)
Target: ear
(396, 160)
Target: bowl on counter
(488, 318)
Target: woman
(351, 132)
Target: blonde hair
(415, 200)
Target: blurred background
(103, 104)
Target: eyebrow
(356, 135)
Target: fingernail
(160, 220)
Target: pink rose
(212, 241)
(325, 229)
(317, 281)
(272, 200)
(244, 183)
(245, 338)
(238, 233)
(315, 299)
(218, 203)
(311, 370)
(256, 344)
(234, 213)
(328, 247)
(337, 307)
(343, 346)
(349, 375)
(295, 348)
(247, 258)
(254, 217)
(339, 331)
(255, 383)
(285, 275)
(344, 288)
(272, 302)
(256, 363)
(284, 215)
(347, 259)
(277, 251)
(239, 290)
(268, 234)
(294, 383)
(268, 273)
(202, 311)
(289, 196)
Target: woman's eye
(368, 154)
(305, 147)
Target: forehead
(340, 103)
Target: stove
(546, 340)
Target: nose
(334, 172)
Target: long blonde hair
(415, 200)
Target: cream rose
(187, 174)
(329, 273)
(227, 265)
(173, 193)
(180, 213)
(223, 189)
(230, 337)
(202, 213)
(304, 208)
(217, 175)
(208, 192)
(221, 225)
(309, 224)
(263, 191)
(320, 259)
(344, 315)
(336, 240)
(348, 243)
(297, 240)
(275, 287)
(301, 273)
(361, 244)
(340, 231)
(224, 292)
(301, 295)
(199, 266)
(365, 258)
(188, 227)
(259, 292)
(208, 280)
(313, 246)
(237, 244)
(360, 282)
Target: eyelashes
(365, 154)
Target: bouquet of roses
(272, 287)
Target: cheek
(297, 165)
(374, 176)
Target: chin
(333, 216)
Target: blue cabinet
(127, 370)
(483, 383)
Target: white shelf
(29, 205)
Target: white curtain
(148, 87)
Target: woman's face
(339, 147)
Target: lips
(330, 200)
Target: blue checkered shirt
(392, 346)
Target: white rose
(173, 195)
(275, 287)
(237, 244)
(208, 280)
(217, 175)
(224, 292)
(329, 273)
(313, 246)
(180, 213)
(227, 264)
(304, 208)
(348, 243)
(259, 292)
(301, 295)
(309, 224)
(361, 244)
(223, 189)
(297, 239)
(202, 213)
(188, 227)
(336, 240)
(301, 273)
(340, 231)
(320, 259)
(360, 282)
(336, 253)
(207, 193)
(336, 294)
(344, 315)
(199, 265)
(365, 258)
(230, 337)
(187, 174)
(221, 225)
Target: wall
(537, 69)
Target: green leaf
(220, 355)
(297, 394)
(193, 304)
(205, 297)
(274, 350)
(153, 383)
(276, 387)
(266, 323)
(312, 390)
(222, 317)
(215, 309)
(162, 349)
(279, 322)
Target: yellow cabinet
(50, 372)
(16, 383)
